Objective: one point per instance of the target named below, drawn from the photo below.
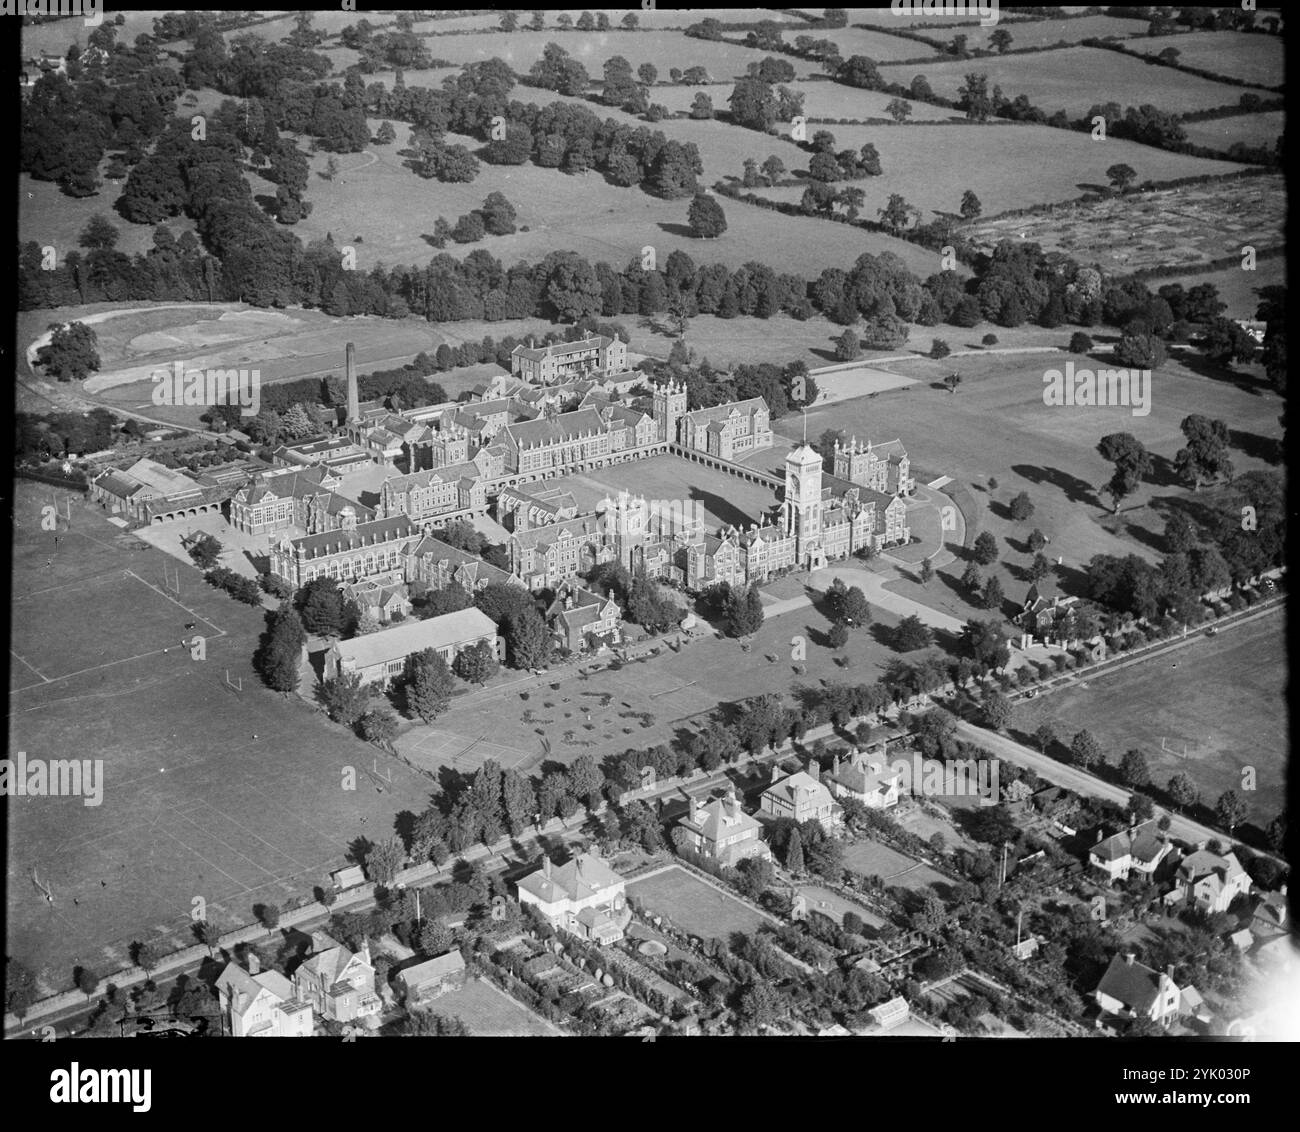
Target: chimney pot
(1128, 958)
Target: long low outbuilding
(380, 657)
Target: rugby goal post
(233, 683)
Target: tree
(952, 381)
(911, 633)
(585, 781)
(744, 615)
(706, 218)
(847, 346)
(773, 169)
(794, 853)
(383, 861)
(498, 215)
(1022, 507)
(345, 698)
(970, 205)
(71, 353)
(899, 109)
(477, 664)
(1205, 456)
(927, 571)
(429, 688)
(1140, 807)
(971, 579)
(1230, 810)
(528, 640)
(205, 550)
(1001, 39)
(1085, 751)
(1037, 540)
(279, 661)
(1045, 735)
(1182, 791)
(838, 637)
(1133, 769)
(985, 549)
(939, 349)
(99, 235)
(1121, 176)
(1132, 463)
(321, 605)
(1276, 833)
(993, 596)
(379, 726)
(997, 710)
(268, 914)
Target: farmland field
(1076, 79)
(1048, 33)
(931, 166)
(693, 905)
(1168, 228)
(579, 213)
(1257, 59)
(821, 100)
(1251, 129)
(1239, 289)
(1226, 700)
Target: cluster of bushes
(237, 586)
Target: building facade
(560, 361)
(379, 658)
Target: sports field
(235, 797)
(694, 906)
(1225, 702)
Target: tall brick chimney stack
(354, 398)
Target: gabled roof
(543, 538)
(1203, 863)
(439, 967)
(728, 410)
(561, 428)
(800, 789)
(721, 817)
(1132, 983)
(449, 629)
(560, 350)
(1142, 843)
(584, 876)
(861, 775)
(363, 535)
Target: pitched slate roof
(561, 349)
(364, 534)
(720, 817)
(544, 537)
(450, 629)
(800, 788)
(1134, 984)
(1142, 843)
(584, 876)
(434, 969)
(718, 413)
(557, 430)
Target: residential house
(387, 602)
(380, 657)
(866, 778)
(720, 830)
(1139, 849)
(433, 977)
(1269, 917)
(1211, 881)
(801, 796)
(1131, 991)
(581, 618)
(261, 1004)
(339, 983)
(585, 897)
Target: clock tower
(803, 505)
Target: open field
(1251, 129)
(1258, 59)
(1226, 700)
(834, 905)
(1048, 33)
(584, 213)
(664, 49)
(490, 1012)
(931, 166)
(234, 797)
(1188, 225)
(1076, 79)
(996, 425)
(693, 905)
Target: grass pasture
(1075, 79)
(931, 166)
(1239, 289)
(821, 100)
(693, 905)
(1250, 58)
(578, 213)
(1226, 700)
(1048, 33)
(1251, 129)
(234, 797)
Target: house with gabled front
(1131, 991)
(584, 896)
(719, 830)
(1211, 881)
(866, 778)
(1139, 849)
(802, 797)
(339, 983)
(261, 1004)
(581, 618)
